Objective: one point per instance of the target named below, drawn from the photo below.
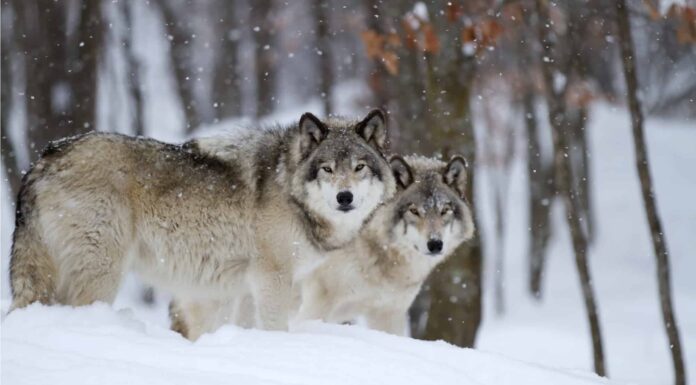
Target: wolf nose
(344, 198)
(435, 246)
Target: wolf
(257, 215)
(379, 273)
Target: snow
(96, 344)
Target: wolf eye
(414, 211)
(327, 169)
(446, 211)
(359, 167)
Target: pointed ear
(313, 131)
(374, 129)
(401, 170)
(455, 174)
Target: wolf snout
(344, 199)
(434, 246)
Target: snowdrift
(99, 345)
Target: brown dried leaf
(410, 39)
(454, 11)
(513, 11)
(652, 10)
(684, 34)
(373, 42)
(490, 31)
(674, 11)
(393, 40)
(391, 62)
(431, 43)
(579, 94)
(468, 34)
(689, 19)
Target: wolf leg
(93, 275)
(91, 242)
(392, 321)
(316, 302)
(177, 318)
(192, 319)
(271, 288)
(32, 272)
(244, 312)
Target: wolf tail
(32, 271)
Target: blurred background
(534, 93)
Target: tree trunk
(61, 69)
(643, 167)
(584, 177)
(264, 33)
(83, 67)
(455, 287)
(557, 121)
(226, 83)
(499, 275)
(133, 66)
(321, 18)
(539, 171)
(9, 157)
(540, 197)
(377, 77)
(179, 51)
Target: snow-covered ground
(97, 344)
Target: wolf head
(430, 213)
(342, 174)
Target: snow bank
(96, 344)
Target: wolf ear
(374, 129)
(401, 170)
(455, 174)
(312, 129)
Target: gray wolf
(258, 214)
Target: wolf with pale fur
(379, 273)
(257, 215)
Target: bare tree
(226, 83)
(541, 186)
(455, 307)
(377, 76)
(499, 147)
(263, 28)
(134, 69)
(321, 18)
(9, 156)
(539, 167)
(643, 167)
(425, 80)
(557, 120)
(179, 32)
(61, 64)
